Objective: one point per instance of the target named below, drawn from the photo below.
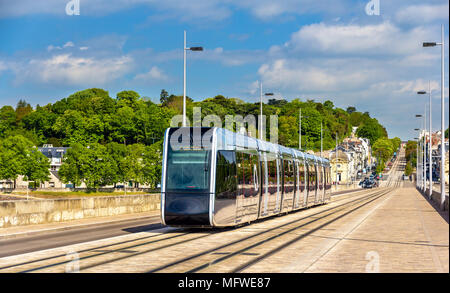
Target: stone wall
(26, 212)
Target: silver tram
(212, 177)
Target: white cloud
(71, 70)
(377, 39)
(154, 74)
(68, 44)
(303, 77)
(420, 14)
(2, 66)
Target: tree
(37, 167)
(351, 109)
(328, 105)
(22, 109)
(18, 156)
(396, 142)
(383, 148)
(372, 130)
(163, 96)
(128, 98)
(7, 119)
(152, 160)
(73, 168)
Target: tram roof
(228, 140)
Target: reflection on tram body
(213, 177)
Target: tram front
(186, 177)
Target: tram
(212, 177)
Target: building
(354, 160)
(342, 165)
(55, 156)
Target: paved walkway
(405, 233)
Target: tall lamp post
(430, 160)
(417, 160)
(261, 109)
(335, 165)
(184, 76)
(442, 177)
(421, 156)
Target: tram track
(165, 239)
(91, 254)
(243, 246)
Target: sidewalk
(30, 230)
(402, 234)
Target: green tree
(37, 167)
(383, 148)
(152, 160)
(72, 171)
(351, 109)
(163, 96)
(18, 156)
(22, 109)
(7, 119)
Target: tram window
(188, 170)
(288, 175)
(245, 174)
(302, 175)
(272, 169)
(226, 174)
(254, 166)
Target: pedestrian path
(404, 234)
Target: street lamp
(430, 160)
(261, 109)
(184, 76)
(442, 177)
(335, 165)
(417, 159)
(421, 156)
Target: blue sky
(322, 50)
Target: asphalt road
(49, 240)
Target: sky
(349, 52)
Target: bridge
(392, 228)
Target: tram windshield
(188, 168)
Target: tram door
(303, 182)
(319, 183)
(306, 193)
(315, 182)
(297, 185)
(264, 198)
(325, 179)
(240, 187)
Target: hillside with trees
(120, 139)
